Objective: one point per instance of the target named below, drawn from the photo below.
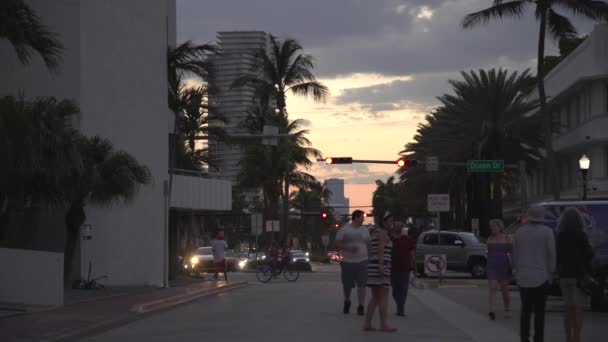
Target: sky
(384, 61)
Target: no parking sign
(435, 264)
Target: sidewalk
(74, 321)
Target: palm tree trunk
(550, 164)
(74, 219)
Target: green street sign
(486, 166)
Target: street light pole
(584, 164)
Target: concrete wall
(124, 99)
(114, 68)
(31, 277)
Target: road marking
(473, 324)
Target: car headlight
(186, 266)
(242, 264)
(307, 254)
(263, 257)
(307, 260)
(194, 260)
(294, 259)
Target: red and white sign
(438, 202)
(435, 264)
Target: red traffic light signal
(338, 160)
(403, 162)
(337, 225)
(323, 215)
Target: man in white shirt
(534, 260)
(353, 240)
(219, 246)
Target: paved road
(309, 310)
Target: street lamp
(584, 164)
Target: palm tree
(311, 200)
(106, 175)
(284, 69)
(559, 27)
(36, 144)
(386, 198)
(20, 25)
(195, 120)
(265, 166)
(187, 59)
(483, 119)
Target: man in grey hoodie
(534, 260)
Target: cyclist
(273, 256)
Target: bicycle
(265, 274)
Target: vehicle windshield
(204, 251)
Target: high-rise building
(337, 199)
(237, 58)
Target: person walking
(353, 242)
(219, 246)
(534, 260)
(402, 265)
(498, 266)
(379, 273)
(574, 255)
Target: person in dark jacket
(402, 263)
(574, 256)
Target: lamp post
(584, 164)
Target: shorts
(571, 293)
(220, 267)
(354, 273)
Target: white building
(237, 58)
(337, 199)
(114, 68)
(577, 93)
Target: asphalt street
(310, 310)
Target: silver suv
(464, 252)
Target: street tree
(284, 69)
(22, 27)
(483, 119)
(107, 175)
(559, 26)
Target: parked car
(464, 252)
(334, 256)
(595, 214)
(199, 261)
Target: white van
(595, 214)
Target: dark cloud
(383, 36)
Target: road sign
(486, 166)
(435, 264)
(256, 224)
(432, 164)
(438, 202)
(272, 226)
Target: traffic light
(403, 162)
(338, 160)
(337, 225)
(324, 215)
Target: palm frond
(560, 26)
(589, 9)
(318, 91)
(500, 10)
(22, 27)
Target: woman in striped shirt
(379, 273)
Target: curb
(141, 310)
(190, 295)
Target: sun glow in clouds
(424, 13)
